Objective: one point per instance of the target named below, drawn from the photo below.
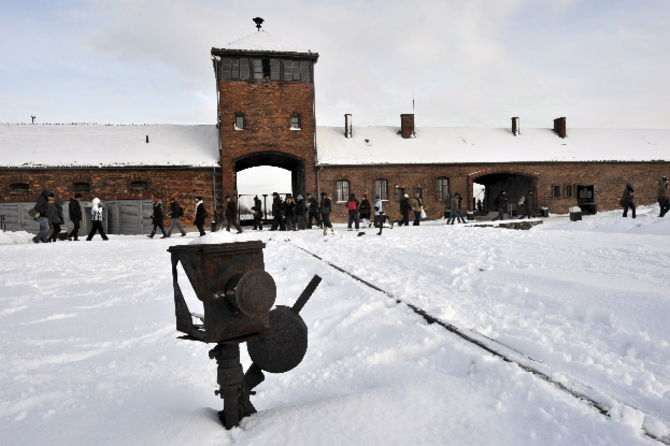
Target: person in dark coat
(258, 214)
(55, 215)
(526, 201)
(231, 214)
(74, 208)
(277, 214)
(417, 206)
(500, 204)
(176, 212)
(628, 200)
(200, 215)
(96, 220)
(312, 211)
(405, 207)
(289, 213)
(326, 209)
(42, 206)
(365, 209)
(352, 207)
(157, 219)
(662, 196)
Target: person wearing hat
(405, 207)
(200, 215)
(312, 211)
(75, 216)
(231, 214)
(276, 212)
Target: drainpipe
(214, 190)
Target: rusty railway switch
(238, 295)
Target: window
(19, 188)
(419, 191)
(567, 191)
(556, 191)
(342, 190)
(81, 187)
(239, 121)
(381, 189)
(266, 68)
(399, 192)
(139, 186)
(442, 188)
(295, 122)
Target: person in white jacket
(96, 220)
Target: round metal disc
(255, 292)
(283, 349)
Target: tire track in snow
(471, 338)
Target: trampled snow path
(89, 352)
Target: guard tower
(266, 116)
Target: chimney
(147, 139)
(560, 127)
(516, 127)
(348, 127)
(407, 125)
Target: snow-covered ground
(89, 351)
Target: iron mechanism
(238, 296)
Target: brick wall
(115, 184)
(609, 179)
(267, 107)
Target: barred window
(381, 189)
(295, 122)
(442, 188)
(556, 191)
(342, 190)
(567, 191)
(19, 188)
(139, 186)
(81, 187)
(239, 121)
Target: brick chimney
(348, 126)
(407, 125)
(516, 126)
(561, 127)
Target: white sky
(600, 63)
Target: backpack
(34, 213)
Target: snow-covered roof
(85, 145)
(264, 41)
(433, 145)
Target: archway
(514, 184)
(274, 168)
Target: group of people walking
(628, 198)
(293, 214)
(48, 212)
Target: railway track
(586, 393)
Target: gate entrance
(514, 184)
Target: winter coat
(231, 210)
(404, 205)
(176, 211)
(258, 209)
(53, 215)
(300, 207)
(200, 213)
(289, 209)
(157, 216)
(662, 190)
(417, 204)
(352, 205)
(277, 206)
(501, 201)
(379, 207)
(42, 203)
(75, 210)
(96, 210)
(325, 205)
(628, 196)
(313, 207)
(365, 207)
(455, 203)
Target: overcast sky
(600, 63)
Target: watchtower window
(266, 68)
(19, 188)
(295, 122)
(239, 121)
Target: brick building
(266, 117)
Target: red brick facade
(608, 179)
(115, 184)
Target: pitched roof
(264, 41)
(86, 145)
(438, 145)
